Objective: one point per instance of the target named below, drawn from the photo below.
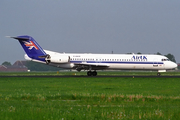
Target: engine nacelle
(58, 59)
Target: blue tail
(31, 47)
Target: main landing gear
(90, 73)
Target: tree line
(34, 66)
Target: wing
(90, 66)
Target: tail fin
(31, 47)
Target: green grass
(89, 98)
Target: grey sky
(94, 26)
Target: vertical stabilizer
(31, 47)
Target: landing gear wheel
(89, 73)
(158, 74)
(94, 73)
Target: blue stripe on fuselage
(117, 62)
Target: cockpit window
(165, 59)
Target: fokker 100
(94, 62)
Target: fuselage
(115, 61)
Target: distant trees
(34, 66)
(134, 53)
(171, 57)
(6, 63)
(158, 53)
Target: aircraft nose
(170, 65)
(174, 65)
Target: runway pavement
(99, 76)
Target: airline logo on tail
(31, 45)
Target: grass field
(89, 98)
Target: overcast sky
(91, 26)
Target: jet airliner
(93, 62)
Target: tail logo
(31, 45)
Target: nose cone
(174, 65)
(170, 65)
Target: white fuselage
(114, 61)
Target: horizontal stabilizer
(19, 38)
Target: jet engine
(57, 59)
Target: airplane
(93, 62)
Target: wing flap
(93, 64)
(90, 66)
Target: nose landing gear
(90, 73)
(158, 74)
